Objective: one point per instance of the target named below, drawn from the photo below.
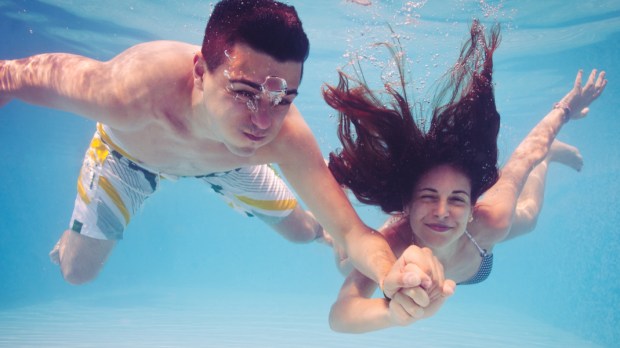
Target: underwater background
(191, 272)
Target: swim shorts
(112, 188)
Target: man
(219, 113)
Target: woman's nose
(441, 209)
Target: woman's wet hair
(267, 26)
(386, 148)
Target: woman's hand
(579, 98)
(412, 304)
(417, 266)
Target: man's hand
(416, 286)
(416, 267)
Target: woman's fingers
(408, 305)
(578, 79)
(418, 295)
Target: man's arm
(62, 81)
(356, 311)
(110, 92)
(302, 164)
(305, 169)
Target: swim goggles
(273, 89)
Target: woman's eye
(458, 200)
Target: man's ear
(200, 68)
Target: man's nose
(261, 118)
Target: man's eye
(285, 102)
(244, 95)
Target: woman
(430, 181)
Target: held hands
(579, 98)
(416, 286)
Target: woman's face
(440, 207)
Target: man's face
(249, 98)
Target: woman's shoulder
(397, 232)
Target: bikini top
(486, 265)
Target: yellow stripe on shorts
(98, 151)
(271, 205)
(110, 143)
(82, 191)
(116, 198)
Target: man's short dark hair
(266, 26)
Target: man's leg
(80, 258)
(259, 191)
(111, 189)
(299, 226)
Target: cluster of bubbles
(422, 39)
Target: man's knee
(78, 274)
(81, 258)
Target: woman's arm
(355, 311)
(494, 212)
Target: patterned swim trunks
(112, 188)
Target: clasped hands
(416, 286)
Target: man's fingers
(431, 270)
(408, 276)
(414, 255)
(414, 276)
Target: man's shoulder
(165, 45)
(295, 123)
(161, 53)
(294, 130)
(294, 143)
(150, 62)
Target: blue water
(192, 273)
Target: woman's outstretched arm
(494, 213)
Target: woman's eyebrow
(461, 191)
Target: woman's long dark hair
(385, 150)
